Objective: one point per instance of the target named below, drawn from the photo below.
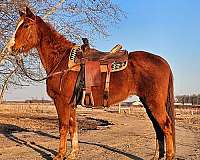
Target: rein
(20, 63)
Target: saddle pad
(73, 55)
(92, 73)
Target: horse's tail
(170, 106)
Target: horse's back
(151, 72)
(146, 59)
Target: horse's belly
(118, 88)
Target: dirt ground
(30, 132)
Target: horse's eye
(25, 25)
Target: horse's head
(25, 36)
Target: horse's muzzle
(14, 51)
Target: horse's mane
(63, 41)
(55, 39)
(59, 45)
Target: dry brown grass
(27, 108)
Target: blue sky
(169, 28)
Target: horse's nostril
(12, 51)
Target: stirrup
(90, 97)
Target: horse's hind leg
(168, 132)
(159, 134)
(158, 111)
(73, 133)
(166, 126)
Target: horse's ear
(29, 14)
(21, 13)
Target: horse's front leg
(63, 116)
(73, 133)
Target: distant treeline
(38, 101)
(192, 99)
(30, 101)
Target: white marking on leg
(75, 148)
(75, 140)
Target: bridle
(20, 62)
(34, 21)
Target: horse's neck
(52, 49)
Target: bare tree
(72, 18)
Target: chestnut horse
(147, 75)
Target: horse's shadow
(131, 156)
(8, 131)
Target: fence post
(119, 107)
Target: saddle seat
(107, 57)
(90, 63)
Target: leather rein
(20, 63)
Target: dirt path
(34, 136)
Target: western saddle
(90, 63)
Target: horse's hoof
(59, 156)
(161, 156)
(73, 155)
(170, 157)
